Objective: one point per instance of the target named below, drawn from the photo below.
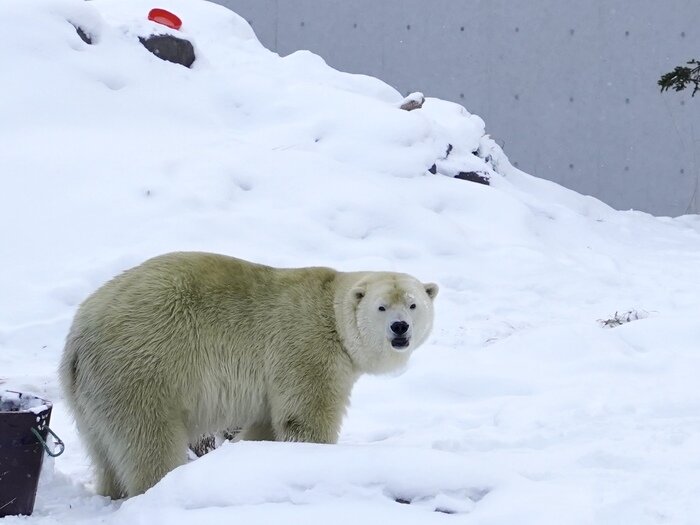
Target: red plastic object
(161, 16)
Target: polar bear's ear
(431, 289)
(358, 293)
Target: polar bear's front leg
(305, 429)
(310, 408)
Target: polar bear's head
(387, 316)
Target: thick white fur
(192, 343)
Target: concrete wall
(568, 88)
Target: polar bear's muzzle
(400, 335)
(400, 343)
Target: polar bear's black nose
(399, 327)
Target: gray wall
(568, 88)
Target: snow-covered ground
(522, 409)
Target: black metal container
(24, 426)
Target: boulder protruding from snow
(473, 176)
(170, 48)
(85, 36)
(413, 101)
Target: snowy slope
(521, 409)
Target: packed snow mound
(110, 155)
(306, 474)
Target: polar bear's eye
(382, 309)
(413, 306)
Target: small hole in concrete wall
(627, 33)
(682, 34)
(571, 99)
(682, 171)
(461, 95)
(302, 24)
(627, 101)
(571, 31)
(515, 164)
(408, 27)
(517, 97)
(461, 28)
(682, 102)
(627, 168)
(571, 166)
(517, 30)
(355, 25)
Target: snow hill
(524, 408)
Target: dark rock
(85, 37)
(433, 169)
(170, 48)
(204, 445)
(449, 150)
(473, 176)
(207, 443)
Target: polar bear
(191, 343)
